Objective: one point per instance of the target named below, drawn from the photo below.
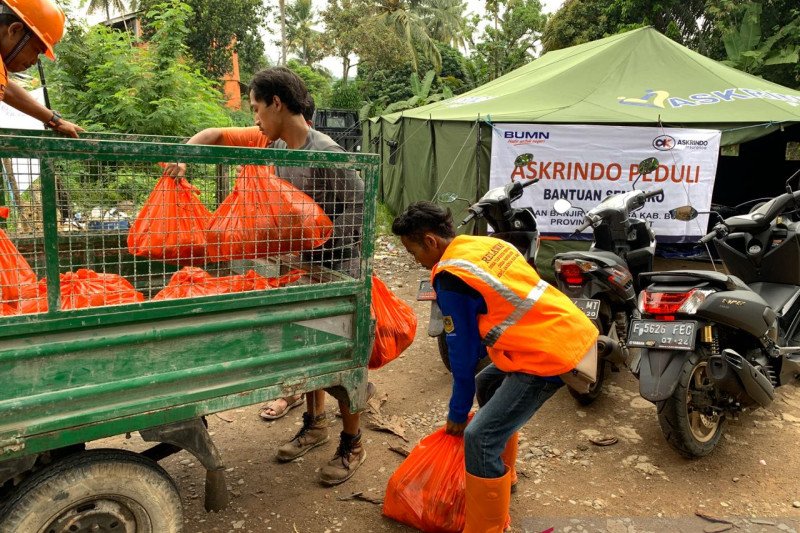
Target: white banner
(584, 164)
(25, 170)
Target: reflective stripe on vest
(521, 305)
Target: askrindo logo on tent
(661, 99)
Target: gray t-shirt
(340, 193)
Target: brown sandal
(264, 413)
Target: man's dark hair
(424, 217)
(7, 19)
(308, 109)
(283, 83)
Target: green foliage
(212, 27)
(345, 96)
(107, 85)
(421, 90)
(746, 50)
(384, 219)
(301, 36)
(380, 86)
(510, 39)
(318, 83)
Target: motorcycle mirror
(523, 159)
(562, 206)
(447, 197)
(684, 213)
(646, 166)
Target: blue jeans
(507, 401)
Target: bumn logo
(664, 143)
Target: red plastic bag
(395, 325)
(171, 225)
(80, 289)
(15, 272)
(192, 281)
(428, 490)
(265, 215)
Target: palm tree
(405, 18)
(301, 37)
(444, 20)
(107, 5)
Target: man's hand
(68, 128)
(455, 428)
(176, 170)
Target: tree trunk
(12, 180)
(345, 68)
(282, 7)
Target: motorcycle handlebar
(718, 231)
(530, 182)
(650, 194)
(585, 225)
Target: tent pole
(477, 167)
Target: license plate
(667, 335)
(590, 307)
(425, 292)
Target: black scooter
(602, 281)
(715, 344)
(514, 225)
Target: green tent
(636, 78)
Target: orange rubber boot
(509, 456)
(487, 503)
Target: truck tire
(444, 353)
(103, 490)
(690, 432)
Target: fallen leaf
(360, 496)
(375, 403)
(401, 450)
(392, 424)
(225, 418)
(717, 528)
(606, 440)
(711, 518)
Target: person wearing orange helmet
(29, 28)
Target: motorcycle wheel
(691, 432)
(444, 353)
(588, 398)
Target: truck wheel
(587, 398)
(98, 490)
(686, 419)
(444, 353)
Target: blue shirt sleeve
(460, 309)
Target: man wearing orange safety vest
(29, 28)
(494, 302)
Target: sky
(334, 65)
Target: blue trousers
(507, 401)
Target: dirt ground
(750, 483)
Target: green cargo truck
(72, 373)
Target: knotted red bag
(428, 490)
(15, 272)
(171, 225)
(395, 325)
(265, 215)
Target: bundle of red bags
(192, 281)
(15, 272)
(172, 224)
(428, 490)
(265, 215)
(395, 325)
(80, 289)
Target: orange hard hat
(42, 17)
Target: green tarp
(638, 78)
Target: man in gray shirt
(277, 98)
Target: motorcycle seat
(777, 295)
(605, 259)
(727, 281)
